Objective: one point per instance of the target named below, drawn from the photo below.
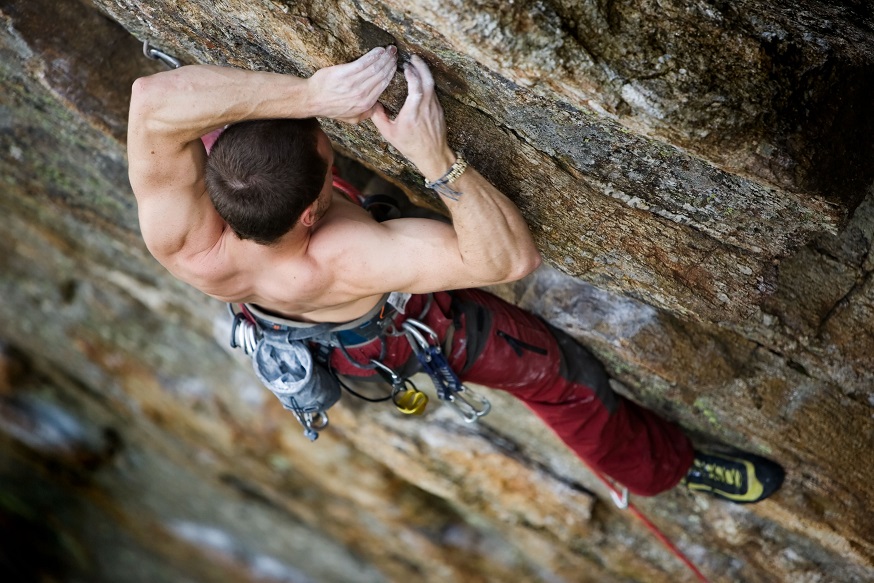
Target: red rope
(655, 531)
(346, 187)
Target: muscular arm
(171, 110)
(488, 242)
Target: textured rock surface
(699, 160)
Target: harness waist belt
(355, 332)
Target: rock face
(701, 174)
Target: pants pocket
(520, 346)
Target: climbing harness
(449, 387)
(292, 359)
(159, 55)
(284, 359)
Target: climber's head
(262, 176)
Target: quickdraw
(449, 387)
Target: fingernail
(392, 49)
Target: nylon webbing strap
(278, 327)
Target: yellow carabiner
(410, 401)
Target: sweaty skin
(337, 262)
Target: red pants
(498, 345)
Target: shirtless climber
(259, 222)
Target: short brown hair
(261, 175)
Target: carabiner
(158, 55)
(312, 422)
(620, 500)
(244, 333)
(423, 327)
(395, 379)
(449, 386)
(417, 342)
(462, 402)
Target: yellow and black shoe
(743, 478)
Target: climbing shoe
(740, 477)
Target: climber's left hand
(349, 92)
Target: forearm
(493, 237)
(191, 101)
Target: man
(259, 222)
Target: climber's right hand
(349, 92)
(419, 130)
